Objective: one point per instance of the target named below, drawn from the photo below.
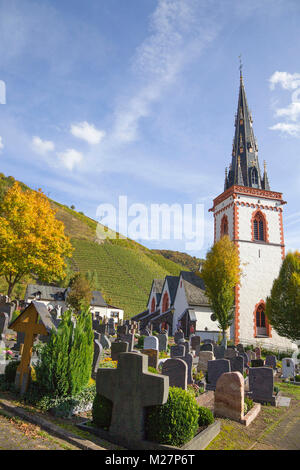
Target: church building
(251, 214)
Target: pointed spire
(245, 169)
(265, 184)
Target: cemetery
(129, 388)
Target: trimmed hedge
(175, 422)
(205, 416)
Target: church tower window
(259, 229)
(224, 226)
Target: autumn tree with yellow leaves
(32, 240)
(221, 273)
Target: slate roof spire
(244, 169)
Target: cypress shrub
(102, 411)
(10, 371)
(175, 422)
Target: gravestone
(261, 385)
(188, 359)
(118, 347)
(229, 396)
(97, 355)
(151, 342)
(178, 335)
(251, 355)
(209, 341)
(111, 327)
(129, 338)
(153, 357)
(288, 367)
(257, 353)
(162, 342)
(145, 332)
(177, 371)
(237, 364)
(177, 351)
(131, 388)
(240, 348)
(246, 359)
(4, 320)
(230, 353)
(7, 307)
(257, 363)
(219, 352)
(186, 344)
(105, 342)
(214, 370)
(204, 357)
(207, 347)
(122, 330)
(195, 341)
(271, 361)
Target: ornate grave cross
(34, 320)
(131, 388)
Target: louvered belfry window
(259, 228)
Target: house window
(259, 227)
(224, 226)
(165, 304)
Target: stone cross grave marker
(177, 371)
(131, 388)
(229, 396)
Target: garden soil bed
(199, 442)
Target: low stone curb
(57, 431)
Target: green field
(125, 268)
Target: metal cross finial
(241, 65)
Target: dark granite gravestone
(214, 370)
(4, 321)
(177, 371)
(188, 359)
(7, 307)
(105, 342)
(118, 347)
(153, 357)
(261, 385)
(145, 332)
(271, 361)
(237, 364)
(208, 341)
(177, 351)
(186, 344)
(219, 352)
(97, 356)
(207, 347)
(240, 348)
(230, 353)
(246, 360)
(111, 327)
(129, 338)
(122, 330)
(257, 363)
(178, 335)
(195, 341)
(162, 342)
(131, 388)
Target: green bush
(175, 422)
(248, 403)
(102, 411)
(10, 371)
(205, 416)
(152, 370)
(140, 343)
(297, 378)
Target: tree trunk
(224, 339)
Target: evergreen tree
(283, 305)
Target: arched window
(259, 227)
(224, 226)
(153, 305)
(262, 327)
(254, 177)
(165, 303)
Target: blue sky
(137, 97)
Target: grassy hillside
(125, 269)
(191, 263)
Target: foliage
(102, 411)
(140, 343)
(187, 261)
(32, 240)
(297, 378)
(221, 273)
(108, 363)
(80, 291)
(175, 422)
(152, 370)
(248, 404)
(205, 416)
(195, 389)
(283, 305)
(65, 363)
(10, 371)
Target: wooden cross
(28, 323)
(131, 388)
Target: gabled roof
(97, 300)
(156, 287)
(172, 285)
(46, 292)
(194, 289)
(45, 316)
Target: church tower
(251, 214)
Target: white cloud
(70, 158)
(291, 113)
(87, 132)
(42, 147)
(1, 144)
